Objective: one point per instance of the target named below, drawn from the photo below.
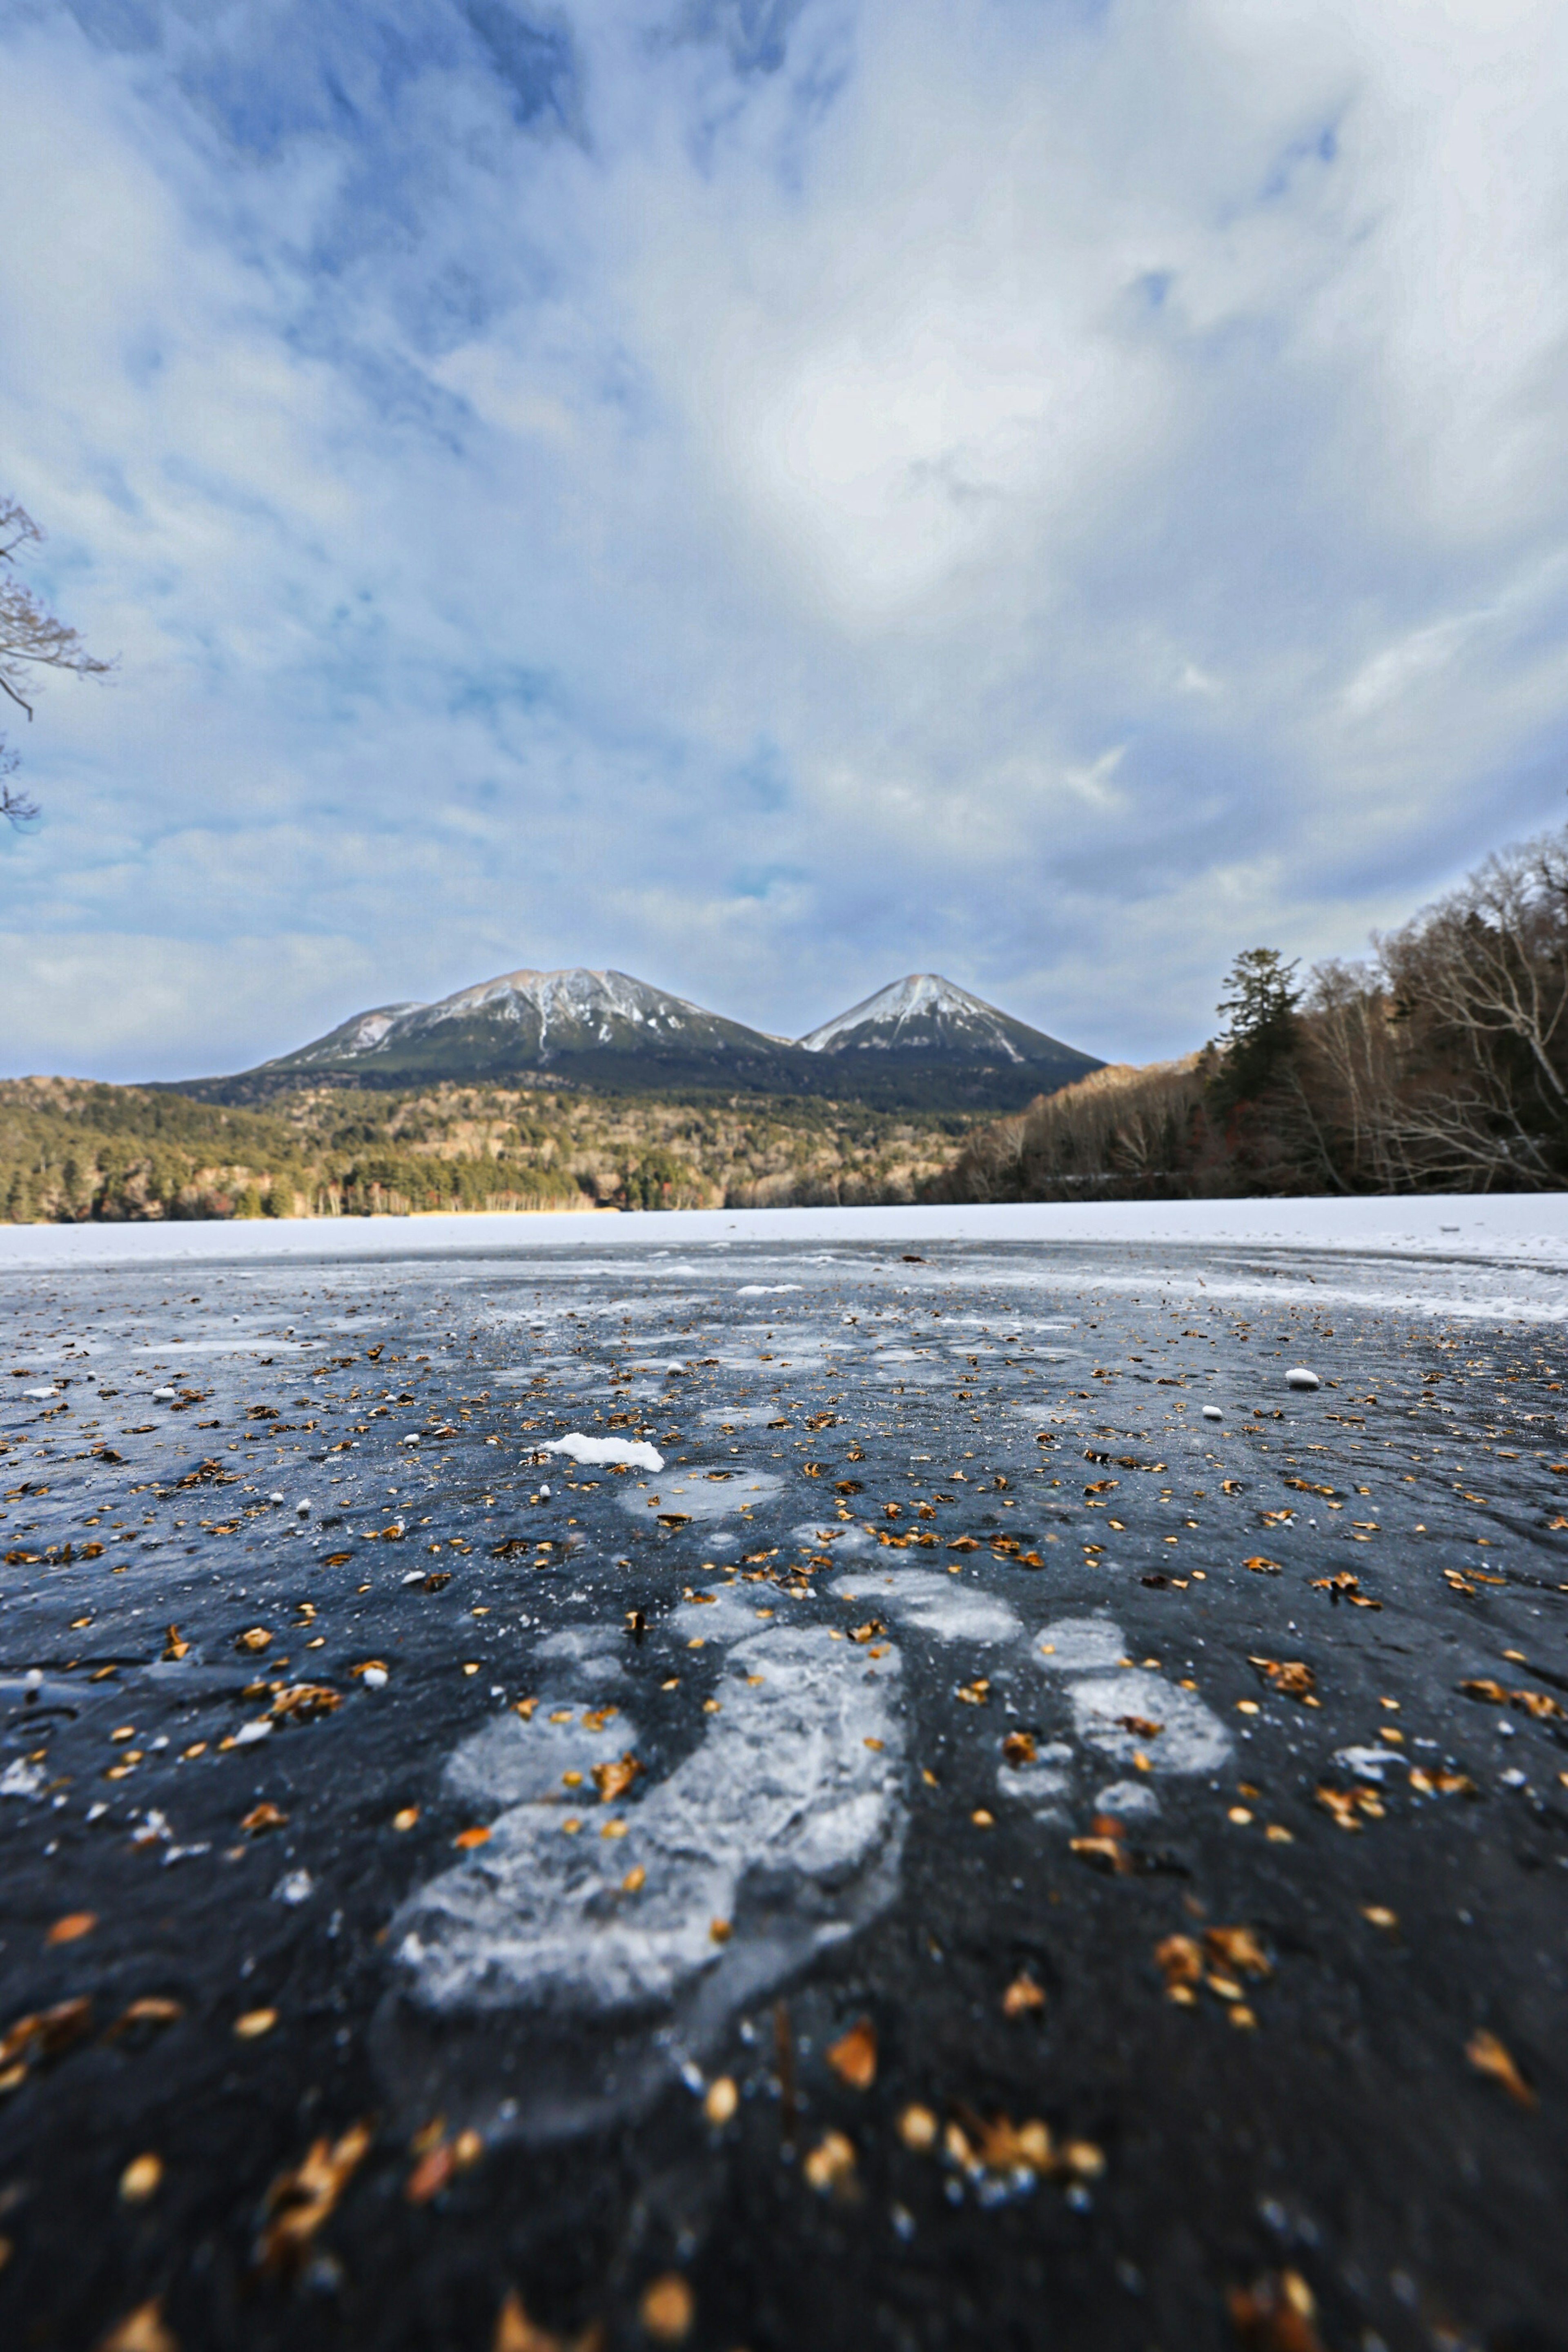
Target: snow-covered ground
(1531, 1227)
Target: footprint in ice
(554, 1982)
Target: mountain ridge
(919, 1041)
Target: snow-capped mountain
(527, 1020)
(923, 1042)
(928, 1017)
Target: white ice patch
(766, 1289)
(1131, 1800)
(1368, 1763)
(1192, 1740)
(1042, 1785)
(784, 1826)
(740, 1416)
(21, 1779)
(1081, 1645)
(511, 1762)
(843, 1539)
(947, 1606)
(728, 1614)
(702, 1494)
(630, 1450)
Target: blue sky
(772, 495)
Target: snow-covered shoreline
(1531, 1227)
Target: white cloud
(1112, 462)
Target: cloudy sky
(771, 495)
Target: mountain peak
(924, 1015)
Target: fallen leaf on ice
(141, 2330)
(72, 1927)
(667, 2308)
(831, 2163)
(301, 2199)
(1489, 2056)
(853, 2057)
(1023, 1996)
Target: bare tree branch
(32, 638)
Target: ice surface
(1360, 1243)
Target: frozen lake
(981, 1653)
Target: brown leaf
(141, 2330)
(667, 2309)
(999, 2145)
(515, 2332)
(441, 2163)
(1023, 1996)
(1018, 1748)
(302, 2199)
(151, 2009)
(1275, 2315)
(613, 1780)
(853, 2057)
(142, 2178)
(1179, 1961)
(1239, 1948)
(1290, 1677)
(303, 1702)
(262, 1817)
(1344, 1587)
(1345, 1804)
(1489, 2056)
(72, 1927)
(831, 2163)
(1107, 1853)
(44, 2033)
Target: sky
(771, 496)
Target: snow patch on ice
(632, 1450)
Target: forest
(1440, 1063)
(72, 1151)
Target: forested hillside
(1440, 1063)
(71, 1150)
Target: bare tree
(32, 639)
(1479, 988)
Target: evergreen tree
(1259, 1009)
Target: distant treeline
(73, 1152)
(1440, 1063)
